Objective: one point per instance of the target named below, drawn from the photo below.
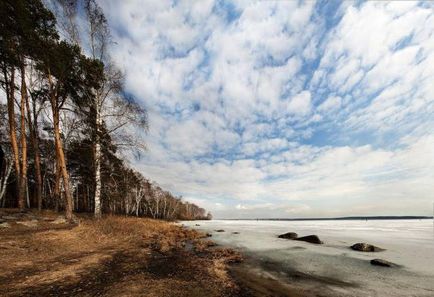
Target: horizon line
(413, 217)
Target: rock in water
(289, 235)
(197, 225)
(383, 263)
(220, 230)
(365, 247)
(310, 238)
(235, 232)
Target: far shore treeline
(65, 116)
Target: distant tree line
(64, 116)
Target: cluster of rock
(366, 247)
(369, 248)
(361, 247)
(294, 236)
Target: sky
(284, 109)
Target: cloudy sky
(286, 108)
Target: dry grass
(114, 256)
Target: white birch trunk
(4, 180)
(98, 162)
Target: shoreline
(117, 256)
(256, 278)
(331, 269)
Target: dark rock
(220, 230)
(235, 232)
(289, 235)
(310, 238)
(208, 235)
(383, 263)
(365, 247)
(197, 225)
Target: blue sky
(286, 108)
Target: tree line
(65, 116)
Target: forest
(67, 122)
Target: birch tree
(109, 111)
(5, 171)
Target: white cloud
(332, 103)
(300, 103)
(238, 125)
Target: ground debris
(30, 224)
(114, 256)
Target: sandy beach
(332, 269)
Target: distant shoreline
(371, 218)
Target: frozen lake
(408, 243)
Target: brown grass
(114, 256)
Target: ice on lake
(408, 243)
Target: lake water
(408, 243)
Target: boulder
(235, 232)
(310, 238)
(219, 230)
(197, 225)
(289, 235)
(366, 247)
(208, 234)
(383, 263)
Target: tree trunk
(34, 137)
(62, 164)
(10, 90)
(4, 179)
(56, 192)
(97, 156)
(60, 155)
(38, 173)
(23, 172)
